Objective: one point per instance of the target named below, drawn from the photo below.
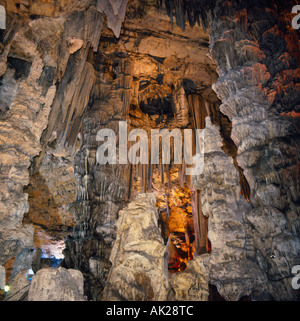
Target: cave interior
(142, 227)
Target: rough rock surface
(18, 287)
(139, 270)
(34, 63)
(101, 190)
(115, 13)
(131, 77)
(221, 200)
(192, 283)
(20, 131)
(27, 259)
(37, 50)
(25, 265)
(50, 192)
(52, 284)
(225, 207)
(256, 52)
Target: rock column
(257, 54)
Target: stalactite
(130, 182)
(150, 177)
(187, 241)
(86, 176)
(245, 188)
(181, 174)
(202, 226)
(162, 175)
(194, 203)
(167, 209)
(195, 11)
(199, 109)
(145, 177)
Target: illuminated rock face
(52, 284)
(37, 63)
(139, 269)
(141, 82)
(50, 191)
(21, 129)
(30, 53)
(101, 190)
(192, 283)
(225, 208)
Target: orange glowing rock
(189, 209)
(291, 114)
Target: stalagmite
(72, 70)
(139, 270)
(115, 12)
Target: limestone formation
(19, 287)
(192, 283)
(225, 207)
(50, 192)
(139, 270)
(36, 62)
(52, 284)
(115, 13)
(255, 89)
(33, 62)
(27, 259)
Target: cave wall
(101, 190)
(21, 129)
(257, 53)
(228, 266)
(142, 78)
(44, 46)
